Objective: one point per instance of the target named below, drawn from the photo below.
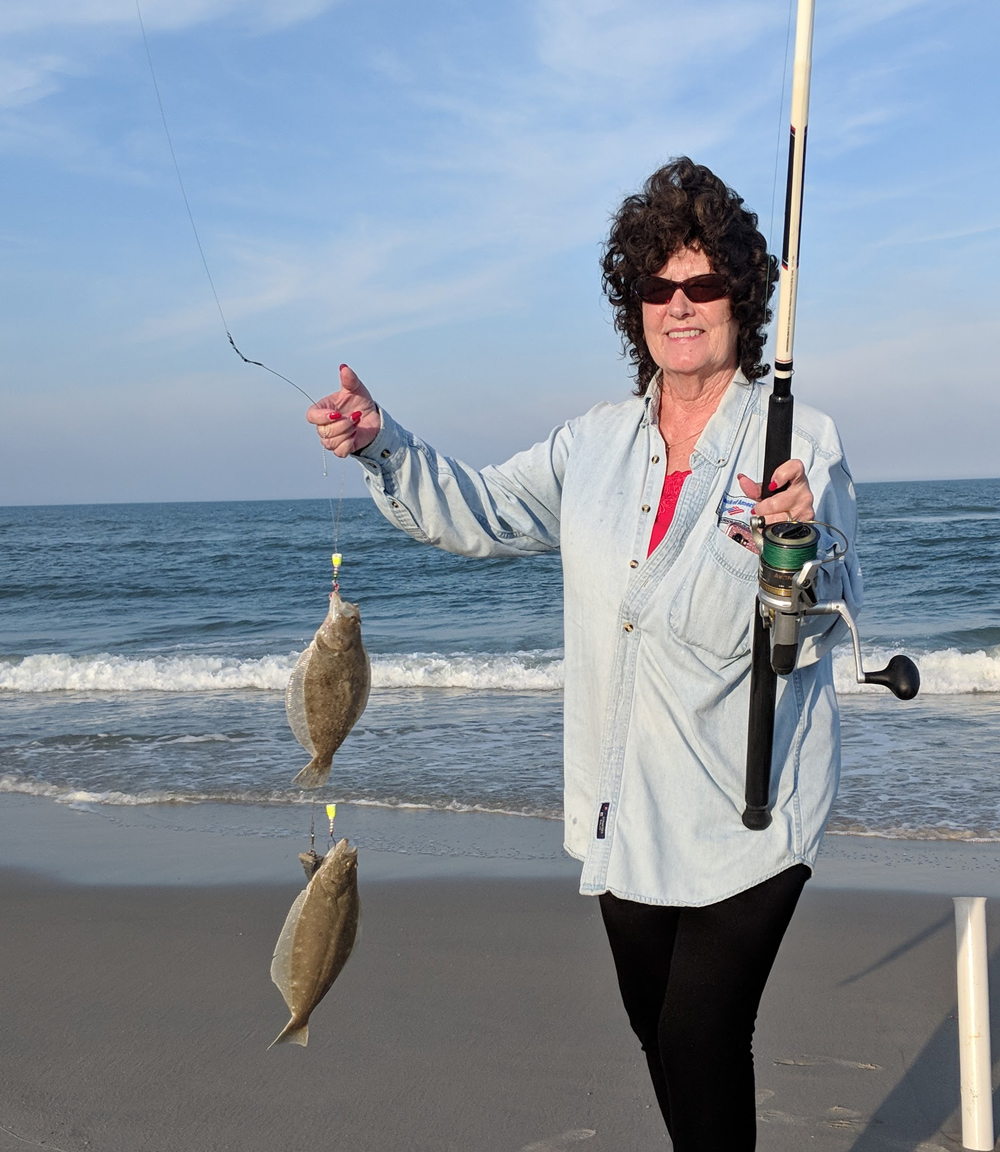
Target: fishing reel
(789, 566)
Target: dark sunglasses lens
(654, 289)
(702, 289)
(699, 289)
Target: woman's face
(686, 339)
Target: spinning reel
(789, 566)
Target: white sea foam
(943, 673)
(59, 672)
(511, 672)
(81, 798)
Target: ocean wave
(943, 673)
(59, 672)
(511, 672)
(536, 671)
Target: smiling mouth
(685, 333)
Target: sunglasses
(698, 289)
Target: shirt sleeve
(835, 504)
(510, 509)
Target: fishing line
(335, 517)
(190, 216)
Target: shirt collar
(717, 441)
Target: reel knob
(901, 676)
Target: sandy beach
(479, 1012)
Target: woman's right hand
(348, 420)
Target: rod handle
(901, 676)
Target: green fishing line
(788, 546)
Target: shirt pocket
(713, 609)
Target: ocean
(144, 650)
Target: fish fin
(281, 963)
(314, 774)
(295, 702)
(291, 1034)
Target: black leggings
(691, 980)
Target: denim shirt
(657, 649)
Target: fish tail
(292, 1033)
(314, 774)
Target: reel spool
(785, 550)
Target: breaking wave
(537, 671)
(943, 673)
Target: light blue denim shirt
(657, 665)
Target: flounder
(317, 939)
(328, 689)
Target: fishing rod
(789, 553)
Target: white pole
(974, 1023)
(788, 276)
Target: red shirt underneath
(672, 485)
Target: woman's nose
(679, 304)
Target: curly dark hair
(685, 205)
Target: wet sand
(478, 1014)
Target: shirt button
(645, 507)
(394, 504)
(656, 459)
(386, 453)
(628, 627)
(633, 563)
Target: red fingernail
(772, 486)
(355, 416)
(343, 366)
(334, 415)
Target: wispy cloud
(27, 80)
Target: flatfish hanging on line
(317, 938)
(328, 689)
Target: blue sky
(421, 190)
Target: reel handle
(900, 676)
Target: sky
(422, 191)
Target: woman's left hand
(794, 503)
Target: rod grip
(760, 730)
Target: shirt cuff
(386, 450)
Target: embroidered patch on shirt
(734, 519)
(602, 821)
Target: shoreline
(216, 844)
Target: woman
(649, 501)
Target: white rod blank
(788, 275)
(974, 1023)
